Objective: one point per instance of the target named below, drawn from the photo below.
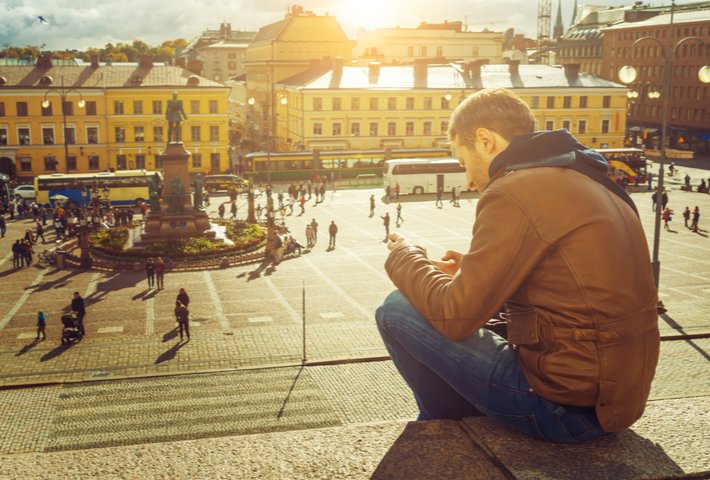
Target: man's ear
(485, 139)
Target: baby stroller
(70, 330)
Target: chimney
(94, 60)
(513, 66)
(572, 69)
(337, 66)
(421, 70)
(475, 68)
(194, 66)
(327, 63)
(145, 61)
(374, 72)
(44, 61)
(180, 62)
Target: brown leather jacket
(569, 260)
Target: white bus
(424, 175)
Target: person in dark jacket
(333, 231)
(183, 297)
(150, 272)
(182, 315)
(79, 308)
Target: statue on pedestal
(174, 114)
(198, 192)
(176, 199)
(155, 191)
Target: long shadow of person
(170, 335)
(61, 348)
(169, 354)
(27, 347)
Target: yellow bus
(122, 188)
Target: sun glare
(368, 14)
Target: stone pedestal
(175, 219)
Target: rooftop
(664, 19)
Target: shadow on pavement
(27, 347)
(679, 328)
(170, 335)
(57, 283)
(290, 390)
(56, 352)
(254, 274)
(169, 354)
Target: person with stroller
(78, 307)
(182, 315)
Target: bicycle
(47, 258)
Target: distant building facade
(217, 54)
(429, 40)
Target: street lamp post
(627, 75)
(63, 93)
(84, 240)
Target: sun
(367, 14)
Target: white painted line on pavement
(699, 277)
(341, 293)
(91, 287)
(260, 319)
(331, 315)
(282, 300)
(223, 322)
(25, 336)
(686, 293)
(380, 272)
(118, 329)
(149, 316)
(21, 301)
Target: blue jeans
(478, 375)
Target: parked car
(214, 183)
(23, 191)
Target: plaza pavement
(130, 382)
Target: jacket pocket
(523, 327)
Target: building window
(92, 135)
(70, 135)
(214, 162)
(318, 129)
(337, 129)
(355, 129)
(410, 103)
(439, 52)
(336, 104)
(25, 164)
(120, 133)
(121, 162)
(444, 127)
(317, 104)
(374, 129)
(426, 103)
(3, 136)
(214, 106)
(23, 135)
(391, 129)
(374, 103)
(566, 125)
(445, 104)
(71, 163)
(157, 134)
(566, 102)
(47, 112)
(197, 160)
(21, 109)
(606, 103)
(93, 162)
(474, 51)
(195, 133)
(194, 106)
(583, 102)
(409, 129)
(550, 125)
(422, 51)
(2, 109)
(140, 161)
(157, 107)
(354, 104)
(50, 163)
(214, 133)
(68, 108)
(582, 126)
(118, 107)
(605, 126)
(47, 136)
(410, 51)
(138, 134)
(426, 128)
(90, 108)
(391, 103)
(534, 102)
(550, 102)
(137, 107)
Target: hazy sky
(81, 24)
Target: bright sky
(80, 24)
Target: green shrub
(114, 238)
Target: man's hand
(449, 263)
(395, 240)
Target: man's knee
(392, 306)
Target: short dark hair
(496, 109)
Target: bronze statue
(174, 114)
(198, 192)
(155, 191)
(176, 199)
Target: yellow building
(376, 106)
(119, 125)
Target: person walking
(309, 235)
(399, 220)
(333, 231)
(150, 271)
(439, 193)
(686, 216)
(314, 226)
(182, 316)
(183, 297)
(302, 204)
(220, 211)
(17, 254)
(41, 324)
(372, 205)
(457, 196)
(39, 233)
(696, 219)
(664, 199)
(667, 216)
(79, 308)
(27, 252)
(3, 225)
(233, 210)
(160, 271)
(386, 223)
